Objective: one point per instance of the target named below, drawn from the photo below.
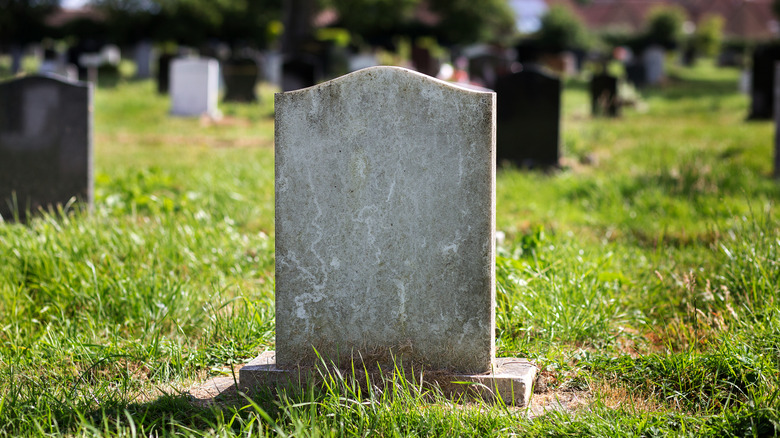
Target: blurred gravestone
(240, 76)
(164, 72)
(143, 59)
(604, 95)
(777, 120)
(299, 72)
(654, 59)
(45, 144)
(194, 87)
(529, 113)
(385, 216)
(635, 73)
(763, 84)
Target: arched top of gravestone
(43, 78)
(388, 74)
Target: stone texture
(385, 212)
(194, 87)
(45, 144)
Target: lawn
(643, 279)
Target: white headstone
(385, 212)
(194, 87)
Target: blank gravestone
(194, 87)
(385, 216)
(164, 72)
(604, 96)
(45, 144)
(762, 83)
(240, 76)
(654, 59)
(529, 114)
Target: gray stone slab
(510, 379)
(385, 215)
(194, 87)
(45, 144)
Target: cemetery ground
(643, 279)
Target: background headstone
(240, 76)
(654, 59)
(763, 81)
(299, 72)
(194, 87)
(164, 72)
(385, 221)
(45, 143)
(604, 99)
(529, 114)
(777, 120)
(144, 51)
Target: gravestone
(240, 76)
(45, 144)
(762, 83)
(777, 120)
(144, 51)
(604, 99)
(194, 87)
(164, 72)
(486, 68)
(299, 72)
(654, 59)
(635, 73)
(529, 114)
(385, 217)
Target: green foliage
(709, 35)
(664, 26)
(370, 18)
(644, 284)
(22, 21)
(467, 22)
(561, 30)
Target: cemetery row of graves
(641, 278)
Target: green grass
(645, 282)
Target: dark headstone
(424, 62)
(164, 72)
(45, 144)
(763, 83)
(635, 73)
(299, 72)
(604, 96)
(529, 113)
(240, 76)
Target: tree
(665, 26)
(22, 21)
(709, 35)
(561, 30)
(469, 21)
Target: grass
(643, 278)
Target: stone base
(512, 379)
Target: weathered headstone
(194, 87)
(777, 120)
(763, 84)
(240, 76)
(529, 114)
(45, 144)
(604, 99)
(654, 59)
(385, 216)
